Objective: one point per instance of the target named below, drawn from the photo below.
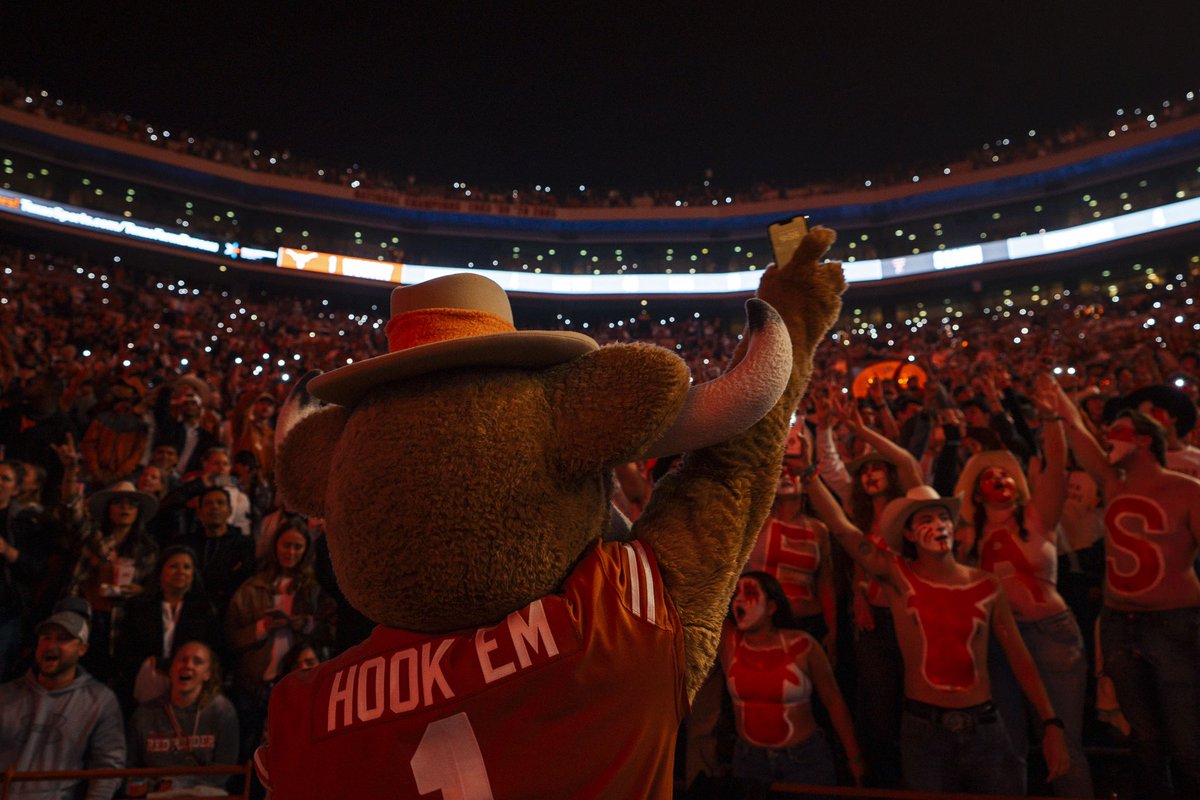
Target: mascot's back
(577, 695)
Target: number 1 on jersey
(448, 759)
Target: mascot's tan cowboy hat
(461, 320)
(896, 513)
(98, 502)
(976, 466)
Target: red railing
(891, 794)
(11, 776)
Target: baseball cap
(72, 614)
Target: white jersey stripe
(650, 587)
(634, 587)
(261, 768)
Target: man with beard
(1150, 625)
(58, 717)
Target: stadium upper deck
(1122, 186)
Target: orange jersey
(579, 694)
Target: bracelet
(1053, 722)
(806, 475)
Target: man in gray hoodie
(58, 717)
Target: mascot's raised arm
(464, 478)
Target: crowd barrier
(862, 793)
(11, 776)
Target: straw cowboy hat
(461, 320)
(200, 386)
(852, 467)
(976, 466)
(896, 514)
(98, 502)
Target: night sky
(518, 94)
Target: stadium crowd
(256, 157)
(152, 583)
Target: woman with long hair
(1010, 531)
(269, 613)
(192, 724)
(771, 669)
(173, 610)
(115, 562)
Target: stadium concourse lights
(1151, 220)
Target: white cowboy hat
(896, 514)
(974, 468)
(98, 502)
(853, 466)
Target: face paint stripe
(751, 601)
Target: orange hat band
(429, 325)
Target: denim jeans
(1153, 658)
(973, 758)
(810, 762)
(1056, 645)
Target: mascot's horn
(723, 408)
(299, 404)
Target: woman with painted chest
(771, 669)
(1009, 531)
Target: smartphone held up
(786, 236)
